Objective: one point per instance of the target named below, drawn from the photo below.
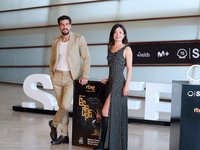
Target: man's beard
(63, 33)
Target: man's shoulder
(57, 38)
(75, 35)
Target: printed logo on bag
(196, 110)
(96, 132)
(92, 141)
(86, 112)
(176, 90)
(80, 141)
(193, 93)
(90, 88)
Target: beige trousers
(63, 87)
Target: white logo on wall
(162, 54)
(193, 93)
(144, 54)
(182, 53)
(194, 53)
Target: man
(65, 67)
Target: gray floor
(29, 131)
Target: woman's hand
(104, 81)
(126, 91)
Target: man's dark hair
(64, 18)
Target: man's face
(64, 27)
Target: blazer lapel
(57, 49)
(70, 43)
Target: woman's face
(118, 35)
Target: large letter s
(31, 90)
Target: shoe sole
(59, 143)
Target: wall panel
(17, 4)
(22, 57)
(99, 55)
(17, 75)
(92, 12)
(129, 9)
(25, 18)
(162, 30)
(19, 38)
(138, 31)
(68, 1)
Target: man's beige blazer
(77, 49)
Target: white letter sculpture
(31, 90)
(135, 86)
(152, 104)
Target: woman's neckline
(117, 50)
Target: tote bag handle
(191, 80)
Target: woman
(114, 131)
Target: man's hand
(83, 81)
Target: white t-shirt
(63, 64)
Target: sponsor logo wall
(166, 53)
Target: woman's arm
(129, 57)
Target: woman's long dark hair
(111, 39)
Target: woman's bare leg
(105, 109)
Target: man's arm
(52, 60)
(86, 61)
